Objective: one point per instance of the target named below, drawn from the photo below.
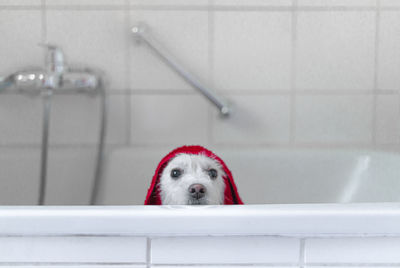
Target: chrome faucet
(55, 76)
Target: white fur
(195, 170)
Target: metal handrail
(140, 32)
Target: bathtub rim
(365, 219)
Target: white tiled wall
(298, 73)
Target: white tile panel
(19, 176)
(20, 2)
(128, 174)
(335, 50)
(75, 119)
(330, 3)
(353, 250)
(73, 249)
(84, 2)
(385, 3)
(253, 2)
(70, 176)
(169, 119)
(334, 119)
(20, 119)
(252, 50)
(389, 50)
(203, 250)
(388, 119)
(169, 2)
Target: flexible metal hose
(45, 144)
(98, 174)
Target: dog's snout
(197, 190)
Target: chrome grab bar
(140, 32)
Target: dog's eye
(212, 173)
(176, 173)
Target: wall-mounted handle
(140, 32)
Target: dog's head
(192, 180)
(192, 175)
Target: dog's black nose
(197, 190)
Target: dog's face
(192, 180)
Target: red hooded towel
(231, 194)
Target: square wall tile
(224, 250)
(20, 3)
(100, 40)
(254, 119)
(20, 119)
(335, 50)
(385, 3)
(84, 2)
(389, 50)
(22, 30)
(252, 50)
(169, 2)
(168, 119)
(183, 34)
(358, 3)
(128, 173)
(75, 119)
(253, 2)
(70, 176)
(388, 119)
(334, 119)
(73, 249)
(353, 250)
(19, 176)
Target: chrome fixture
(141, 34)
(56, 78)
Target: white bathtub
(269, 235)
(266, 176)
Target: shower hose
(47, 99)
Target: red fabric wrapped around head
(231, 194)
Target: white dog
(190, 179)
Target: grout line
(376, 73)
(44, 23)
(397, 138)
(148, 252)
(302, 260)
(293, 75)
(211, 42)
(128, 98)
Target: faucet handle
(54, 58)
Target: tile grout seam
(376, 73)
(292, 126)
